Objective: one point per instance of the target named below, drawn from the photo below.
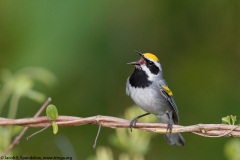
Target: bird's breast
(149, 99)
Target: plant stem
(13, 105)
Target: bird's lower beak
(134, 63)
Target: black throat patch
(139, 79)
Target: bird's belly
(150, 100)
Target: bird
(148, 89)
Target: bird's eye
(150, 62)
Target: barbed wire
(207, 130)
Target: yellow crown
(151, 56)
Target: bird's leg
(170, 124)
(134, 121)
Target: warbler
(148, 89)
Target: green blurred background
(87, 44)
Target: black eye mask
(152, 67)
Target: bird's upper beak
(141, 54)
(137, 62)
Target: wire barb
(35, 133)
(95, 142)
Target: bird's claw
(135, 120)
(169, 127)
(133, 123)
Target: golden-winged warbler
(148, 89)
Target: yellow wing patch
(169, 92)
(151, 56)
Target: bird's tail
(175, 139)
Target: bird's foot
(133, 123)
(169, 127)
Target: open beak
(137, 62)
(134, 63)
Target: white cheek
(151, 77)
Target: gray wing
(167, 93)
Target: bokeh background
(86, 45)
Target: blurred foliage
(232, 146)
(14, 87)
(232, 149)
(136, 141)
(86, 44)
(134, 145)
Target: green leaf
(234, 119)
(55, 127)
(232, 149)
(226, 120)
(52, 112)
